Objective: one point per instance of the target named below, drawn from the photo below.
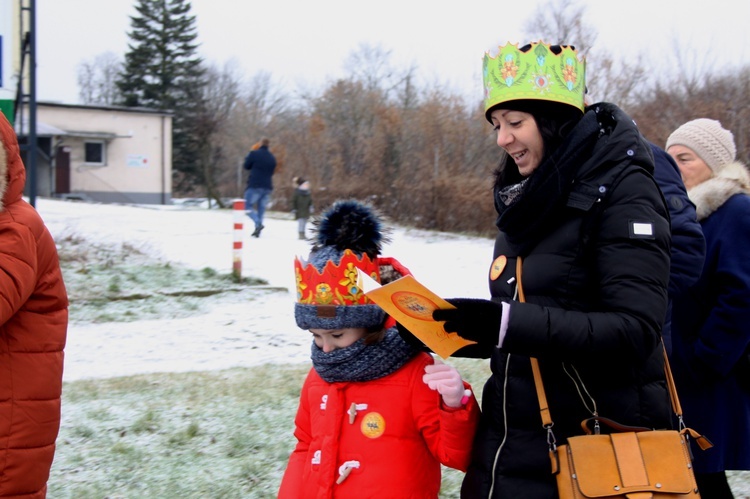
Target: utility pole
(27, 15)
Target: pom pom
(350, 225)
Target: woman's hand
(472, 319)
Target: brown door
(62, 170)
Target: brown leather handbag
(631, 462)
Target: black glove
(409, 338)
(472, 319)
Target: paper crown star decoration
(543, 72)
(336, 284)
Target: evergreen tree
(163, 71)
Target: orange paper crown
(336, 284)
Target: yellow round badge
(498, 266)
(373, 425)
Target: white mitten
(447, 381)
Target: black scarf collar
(362, 362)
(528, 218)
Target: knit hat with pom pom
(708, 139)
(348, 236)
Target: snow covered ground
(253, 328)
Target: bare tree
(220, 95)
(718, 95)
(261, 100)
(561, 22)
(690, 67)
(349, 113)
(370, 65)
(564, 22)
(96, 79)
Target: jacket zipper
(505, 427)
(505, 407)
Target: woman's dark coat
(593, 230)
(711, 326)
(688, 244)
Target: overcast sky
(305, 43)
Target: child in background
(376, 416)
(302, 204)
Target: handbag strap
(540, 393)
(676, 407)
(542, 396)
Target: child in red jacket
(377, 416)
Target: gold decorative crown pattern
(336, 284)
(537, 74)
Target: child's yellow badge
(497, 267)
(373, 425)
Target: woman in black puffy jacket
(576, 200)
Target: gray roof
(42, 129)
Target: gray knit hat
(348, 237)
(714, 144)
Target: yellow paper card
(411, 304)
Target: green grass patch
(224, 434)
(123, 283)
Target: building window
(94, 152)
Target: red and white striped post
(238, 207)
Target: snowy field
(252, 328)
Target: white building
(102, 153)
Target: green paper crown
(537, 74)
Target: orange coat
(394, 442)
(33, 326)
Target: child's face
(329, 340)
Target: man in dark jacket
(261, 163)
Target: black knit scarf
(528, 216)
(362, 362)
